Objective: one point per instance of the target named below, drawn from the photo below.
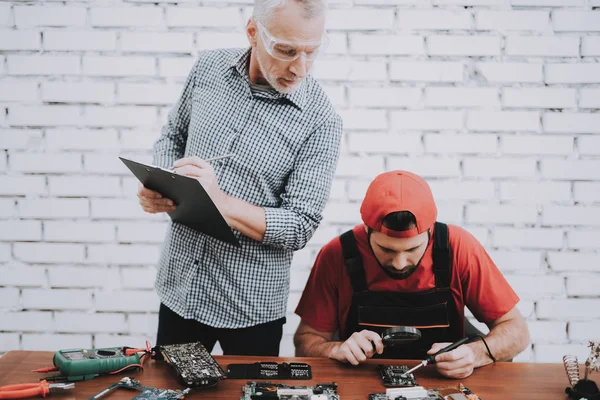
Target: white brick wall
(495, 102)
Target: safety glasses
(289, 51)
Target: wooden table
(499, 381)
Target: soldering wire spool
(400, 335)
(572, 368)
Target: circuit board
(269, 370)
(148, 393)
(159, 394)
(268, 390)
(459, 392)
(395, 376)
(194, 365)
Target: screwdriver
(431, 359)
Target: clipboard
(195, 209)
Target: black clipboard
(195, 209)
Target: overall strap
(441, 256)
(353, 262)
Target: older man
(261, 105)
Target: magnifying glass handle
(431, 358)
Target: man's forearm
(505, 340)
(244, 217)
(311, 345)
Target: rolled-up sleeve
(307, 189)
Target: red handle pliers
(24, 390)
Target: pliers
(24, 390)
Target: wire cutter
(24, 390)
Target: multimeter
(84, 364)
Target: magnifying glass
(400, 335)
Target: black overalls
(432, 311)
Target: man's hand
(458, 363)
(358, 348)
(197, 168)
(153, 202)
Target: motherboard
(193, 364)
(268, 390)
(396, 376)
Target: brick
(126, 17)
(572, 309)
(384, 143)
(386, 44)
(125, 116)
(590, 46)
(513, 20)
(571, 215)
(118, 66)
(132, 300)
(359, 166)
(353, 71)
(507, 72)
(547, 331)
(4, 248)
(360, 19)
(576, 21)
(104, 164)
(581, 330)
(36, 16)
(384, 97)
(462, 143)
(529, 238)
(553, 353)
(323, 235)
(9, 341)
(583, 239)
(119, 209)
(573, 262)
(77, 322)
(503, 121)
(45, 162)
(3, 161)
(44, 65)
(450, 212)
(480, 233)
(78, 92)
(142, 93)
(9, 298)
(461, 190)
(535, 192)
(427, 120)
(7, 208)
(21, 139)
(57, 299)
(26, 321)
(434, 19)
(570, 169)
(19, 115)
(517, 261)
(586, 192)
(580, 286)
(499, 167)
(18, 91)
(571, 123)
(548, 3)
(138, 140)
(21, 275)
(51, 342)
(572, 73)
(537, 287)
(53, 208)
(364, 119)
(427, 71)
(204, 17)
(141, 232)
(66, 231)
(539, 98)
(163, 42)
(537, 46)
(142, 323)
(12, 230)
(19, 40)
(461, 97)
(589, 97)
(469, 2)
(83, 277)
(5, 20)
(356, 191)
(123, 254)
(427, 166)
(49, 252)
(464, 45)
(336, 95)
(179, 67)
(105, 340)
(22, 185)
(217, 40)
(501, 214)
(84, 186)
(80, 41)
(82, 139)
(536, 144)
(138, 278)
(342, 213)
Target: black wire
(487, 347)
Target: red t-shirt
(476, 282)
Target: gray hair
(265, 9)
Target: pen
(219, 157)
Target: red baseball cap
(396, 191)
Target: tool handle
(431, 358)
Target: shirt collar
(240, 61)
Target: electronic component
(419, 393)
(583, 388)
(396, 376)
(193, 364)
(148, 393)
(269, 370)
(268, 390)
(83, 364)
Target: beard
(272, 80)
(400, 275)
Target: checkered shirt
(286, 148)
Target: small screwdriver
(431, 359)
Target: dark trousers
(258, 340)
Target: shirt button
(235, 130)
(196, 262)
